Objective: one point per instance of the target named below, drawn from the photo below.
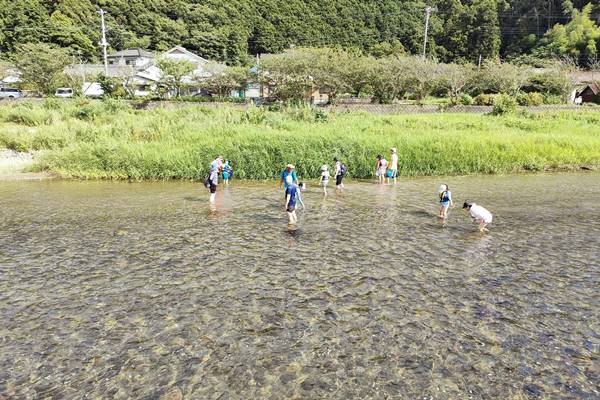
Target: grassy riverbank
(110, 140)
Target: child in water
(381, 168)
(292, 194)
(445, 200)
(324, 178)
(479, 214)
(227, 172)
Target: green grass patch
(95, 139)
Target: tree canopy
(232, 31)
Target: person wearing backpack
(445, 200)
(340, 171)
(213, 177)
(227, 172)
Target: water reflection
(111, 290)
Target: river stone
(172, 394)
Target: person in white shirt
(479, 214)
(324, 178)
(393, 170)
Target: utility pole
(428, 11)
(103, 42)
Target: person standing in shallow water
(445, 200)
(213, 177)
(324, 178)
(393, 170)
(381, 168)
(340, 171)
(290, 200)
(288, 171)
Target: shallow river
(141, 291)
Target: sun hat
(394, 150)
(324, 168)
(290, 166)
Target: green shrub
(485, 100)
(18, 143)
(553, 99)
(530, 99)
(168, 144)
(29, 117)
(254, 115)
(504, 104)
(466, 99)
(113, 106)
(51, 103)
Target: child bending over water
(479, 214)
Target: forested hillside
(232, 30)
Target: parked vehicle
(10, 93)
(64, 92)
(92, 89)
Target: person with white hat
(288, 171)
(213, 177)
(392, 171)
(324, 178)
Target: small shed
(589, 93)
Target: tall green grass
(110, 140)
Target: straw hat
(290, 166)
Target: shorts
(392, 173)
(338, 179)
(213, 188)
(325, 182)
(445, 204)
(225, 176)
(291, 208)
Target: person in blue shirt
(227, 172)
(445, 200)
(291, 193)
(288, 171)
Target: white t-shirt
(480, 214)
(394, 165)
(325, 175)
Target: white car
(64, 92)
(10, 93)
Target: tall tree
(41, 65)
(174, 73)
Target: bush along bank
(110, 140)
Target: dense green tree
(41, 65)
(579, 39)
(222, 81)
(174, 73)
(229, 30)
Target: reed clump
(95, 139)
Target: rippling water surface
(141, 291)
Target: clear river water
(115, 290)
